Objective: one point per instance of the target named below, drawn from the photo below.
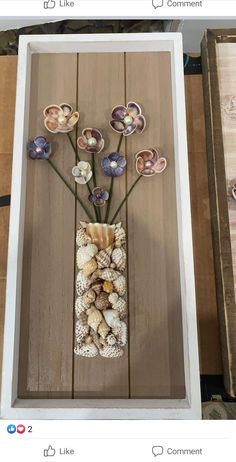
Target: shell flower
(82, 172)
(114, 164)
(91, 141)
(60, 119)
(149, 162)
(39, 148)
(98, 197)
(128, 120)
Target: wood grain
(97, 95)
(8, 66)
(209, 337)
(156, 355)
(48, 265)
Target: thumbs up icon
(50, 452)
(49, 4)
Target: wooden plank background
(61, 381)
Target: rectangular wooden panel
(219, 89)
(101, 86)
(46, 346)
(156, 339)
(209, 338)
(8, 66)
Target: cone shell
(96, 339)
(89, 297)
(82, 283)
(89, 351)
(103, 259)
(80, 306)
(111, 339)
(97, 286)
(81, 331)
(114, 351)
(109, 274)
(94, 318)
(81, 237)
(90, 267)
(120, 285)
(121, 307)
(119, 258)
(85, 253)
(112, 318)
(113, 298)
(103, 329)
(102, 301)
(101, 234)
(120, 235)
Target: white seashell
(103, 259)
(121, 334)
(120, 235)
(89, 351)
(81, 331)
(120, 285)
(109, 274)
(113, 298)
(81, 237)
(80, 306)
(109, 250)
(97, 286)
(121, 307)
(94, 318)
(101, 234)
(82, 283)
(85, 253)
(111, 339)
(90, 267)
(103, 329)
(112, 318)
(111, 351)
(119, 258)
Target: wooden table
(205, 280)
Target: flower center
(92, 141)
(38, 150)
(113, 164)
(62, 119)
(128, 120)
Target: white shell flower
(82, 172)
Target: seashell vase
(101, 307)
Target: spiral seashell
(89, 297)
(121, 334)
(81, 237)
(89, 351)
(103, 259)
(121, 307)
(97, 286)
(111, 351)
(102, 301)
(101, 234)
(97, 340)
(109, 274)
(113, 298)
(103, 329)
(120, 285)
(119, 258)
(108, 287)
(94, 318)
(112, 318)
(85, 253)
(120, 235)
(111, 339)
(82, 283)
(81, 331)
(109, 250)
(80, 306)
(90, 267)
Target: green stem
(112, 184)
(75, 149)
(71, 189)
(97, 210)
(119, 144)
(125, 199)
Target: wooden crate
(158, 377)
(219, 64)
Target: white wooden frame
(11, 406)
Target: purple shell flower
(39, 148)
(114, 164)
(128, 119)
(98, 197)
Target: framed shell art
(100, 273)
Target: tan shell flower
(91, 141)
(60, 119)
